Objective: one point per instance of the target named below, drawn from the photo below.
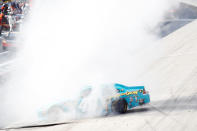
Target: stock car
(127, 98)
(124, 98)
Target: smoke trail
(73, 43)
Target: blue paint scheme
(133, 100)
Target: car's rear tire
(141, 102)
(120, 106)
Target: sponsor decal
(129, 93)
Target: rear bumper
(146, 98)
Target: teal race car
(127, 98)
(114, 98)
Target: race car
(124, 98)
(119, 99)
(127, 98)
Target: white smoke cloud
(73, 43)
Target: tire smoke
(70, 44)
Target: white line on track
(3, 53)
(7, 63)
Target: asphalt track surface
(189, 2)
(172, 82)
(6, 60)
